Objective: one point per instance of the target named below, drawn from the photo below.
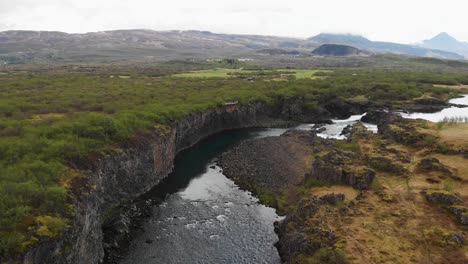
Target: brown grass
(395, 232)
(454, 134)
(404, 230)
(349, 192)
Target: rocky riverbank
(389, 201)
(111, 181)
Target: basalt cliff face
(139, 164)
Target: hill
(337, 50)
(155, 46)
(278, 52)
(133, 45)
(383, 47)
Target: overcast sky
(404, 21)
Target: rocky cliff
(137, 165)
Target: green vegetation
(212, 73)
(348, 145)
(50, 119)
(280, 74)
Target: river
(206, 218)
(451, 113)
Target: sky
(403, 21)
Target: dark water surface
(205, 217)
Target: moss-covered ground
(394, 221)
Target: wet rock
(377, 116)
(423, 108)
(346, 131)
(319, 128)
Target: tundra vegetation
(50, 118)
(387, 197)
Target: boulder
(333, 168)
(385, 164)
(461, 212)
(432, 164)
(297, 237)
(377, 117)
(443, 197)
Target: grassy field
(279, 74)
(461, 87)
(454, 134)
(50, 118)
(212, 73)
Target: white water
(447, 113)
(334, 130)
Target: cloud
(397, 20)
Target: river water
(205, 218)
(451, 113)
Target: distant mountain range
(150, 45)
(444, 41)
(383, 47)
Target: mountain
(152, 46)
(133, 45)
(382, 47)
(444, 41)
(337, 50)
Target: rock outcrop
(134, 168)
(443, 197)
(333, 168)
(297, 238)
(137, 165)
(461, 212)
(432, 164)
